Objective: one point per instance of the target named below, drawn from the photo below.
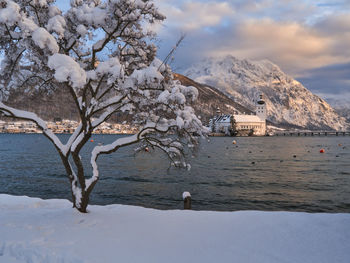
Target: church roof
(247, 118)
(223, 118)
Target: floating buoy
(91, 140)
(322, 151)
(146, 149)
(234, 142)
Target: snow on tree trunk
(105, 73)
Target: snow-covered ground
(36, 230)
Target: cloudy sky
(308, 39)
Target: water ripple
(270, 173)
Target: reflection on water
(267, 173)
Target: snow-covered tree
(101, 53)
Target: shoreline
(66, 133)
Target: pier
(311, 133)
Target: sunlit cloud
(297, 35)
(292, 46)
(300, 36)
(194, 15)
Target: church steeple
(261, 108)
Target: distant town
(63, 126)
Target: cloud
(334, 79)
(334, 24)
(293, 46)
(282, 10)
(290, 45)
(306, 38)
(194, 15)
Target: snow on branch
(64, 149)
(121, 142)
(44, 39)
(67, 69)
(10, 14)
(26, 115)
(104, 150)
(102, 54)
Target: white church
(241, 124)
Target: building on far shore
(64, 126)
(241, 124)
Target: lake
(257, 173)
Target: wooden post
(186, 196)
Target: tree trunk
(81, 197)
(80, 200)
(83, 203)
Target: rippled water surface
(266, 173)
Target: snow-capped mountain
(210, 99)
(341, 106)
(288, 101)
(344, 112)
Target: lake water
(258, 173)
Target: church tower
(261, 108)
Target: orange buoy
(322, 151)
(91, 140)
(234, 142)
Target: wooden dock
(311, 133)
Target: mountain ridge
(288, 101)
(230, 84)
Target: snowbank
(36, 230)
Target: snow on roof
(223, 118)
(247, 118)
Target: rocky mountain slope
(341, 106)
(344, 112)
(210, 99)
(59, 104)
(288, 101)
(228, 83)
